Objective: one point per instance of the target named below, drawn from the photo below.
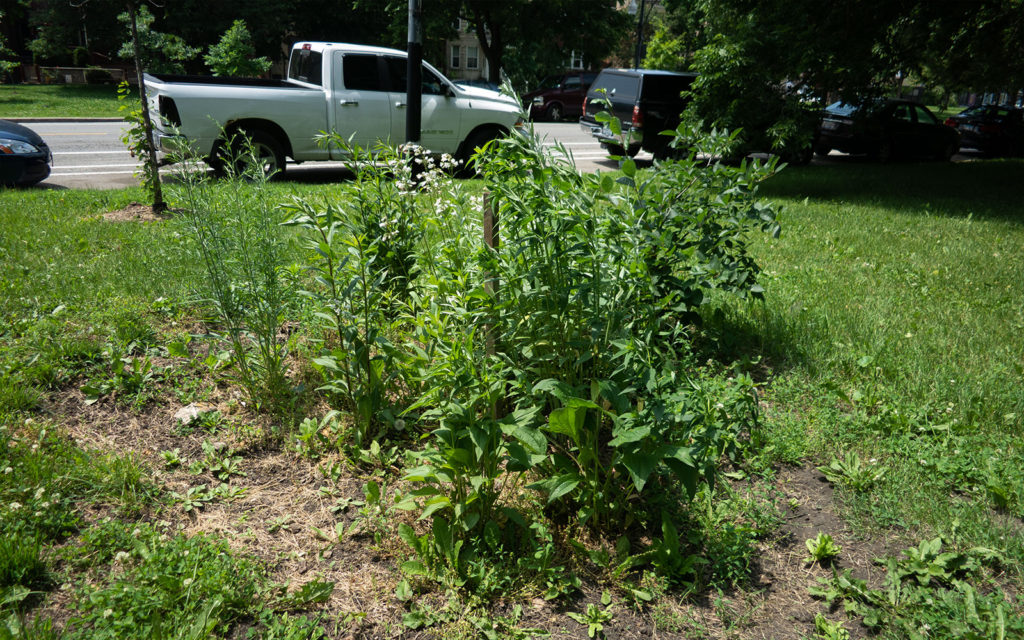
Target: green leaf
(414, 568)
(629, 167)
(640, 465)
(406, 533)
(414, 619)
(403, 591)
(630, 435)
(177, 349)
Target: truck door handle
(349, 103)
(400, 105)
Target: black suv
(645, 101)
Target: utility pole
(414, 83)
(639, 35)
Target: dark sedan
(991, 129)
(24, 157)
(885, 129)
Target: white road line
(95, 166)
(89, 153)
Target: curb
(48, 119)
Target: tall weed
(236, 234)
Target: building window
(455, 57)
(472, 57)
(577, 60)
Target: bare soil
(136, 212)
(285, 518)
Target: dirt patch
(136, 212)
(288, 512)
(784, 609)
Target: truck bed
(226, 81)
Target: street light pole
(639, 35)
(414, 74)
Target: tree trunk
(147, 124)
(489, 36)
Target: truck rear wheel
(266, 149)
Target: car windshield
(842, 109)
(551, 82)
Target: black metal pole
(414, 86)
(639, 35)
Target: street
(90, 155)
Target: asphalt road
(90, 155)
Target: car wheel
(822, 150)
(618, 150)
(555, 112)
(947, 152)
(267, 151)
(884, 151)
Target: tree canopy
(765, 63)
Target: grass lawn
(888, 349)
(58, 100)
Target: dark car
(885, 129)
(24, 157)
(991, 129)
(559, 96)
(646, 102)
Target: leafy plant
(828, 630)
(595, 617)
(821, 548)
(236, 234)
(851, 472)
(235, 55)
(927, 593)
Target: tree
(543, 33)
(158, 52)
(235, 54)
(7, 61)
(760, 60)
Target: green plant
(853, 473)
(821, 549)
(595, 617)
(362, 252)
(235, 55)
(236, 234)
(220, 460)
(134, 137)
(828, 630)
(928, 593)
(179, 583)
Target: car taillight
(638, 117)
(950, 122)
(584, 105)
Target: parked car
(357, 91)
(885, 129)
(24, 156)
(646, 102)
(559, 96)
(991, 129)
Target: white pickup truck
(353, 90)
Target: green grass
(893, 325)
(58, 100)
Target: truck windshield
(305, 66)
